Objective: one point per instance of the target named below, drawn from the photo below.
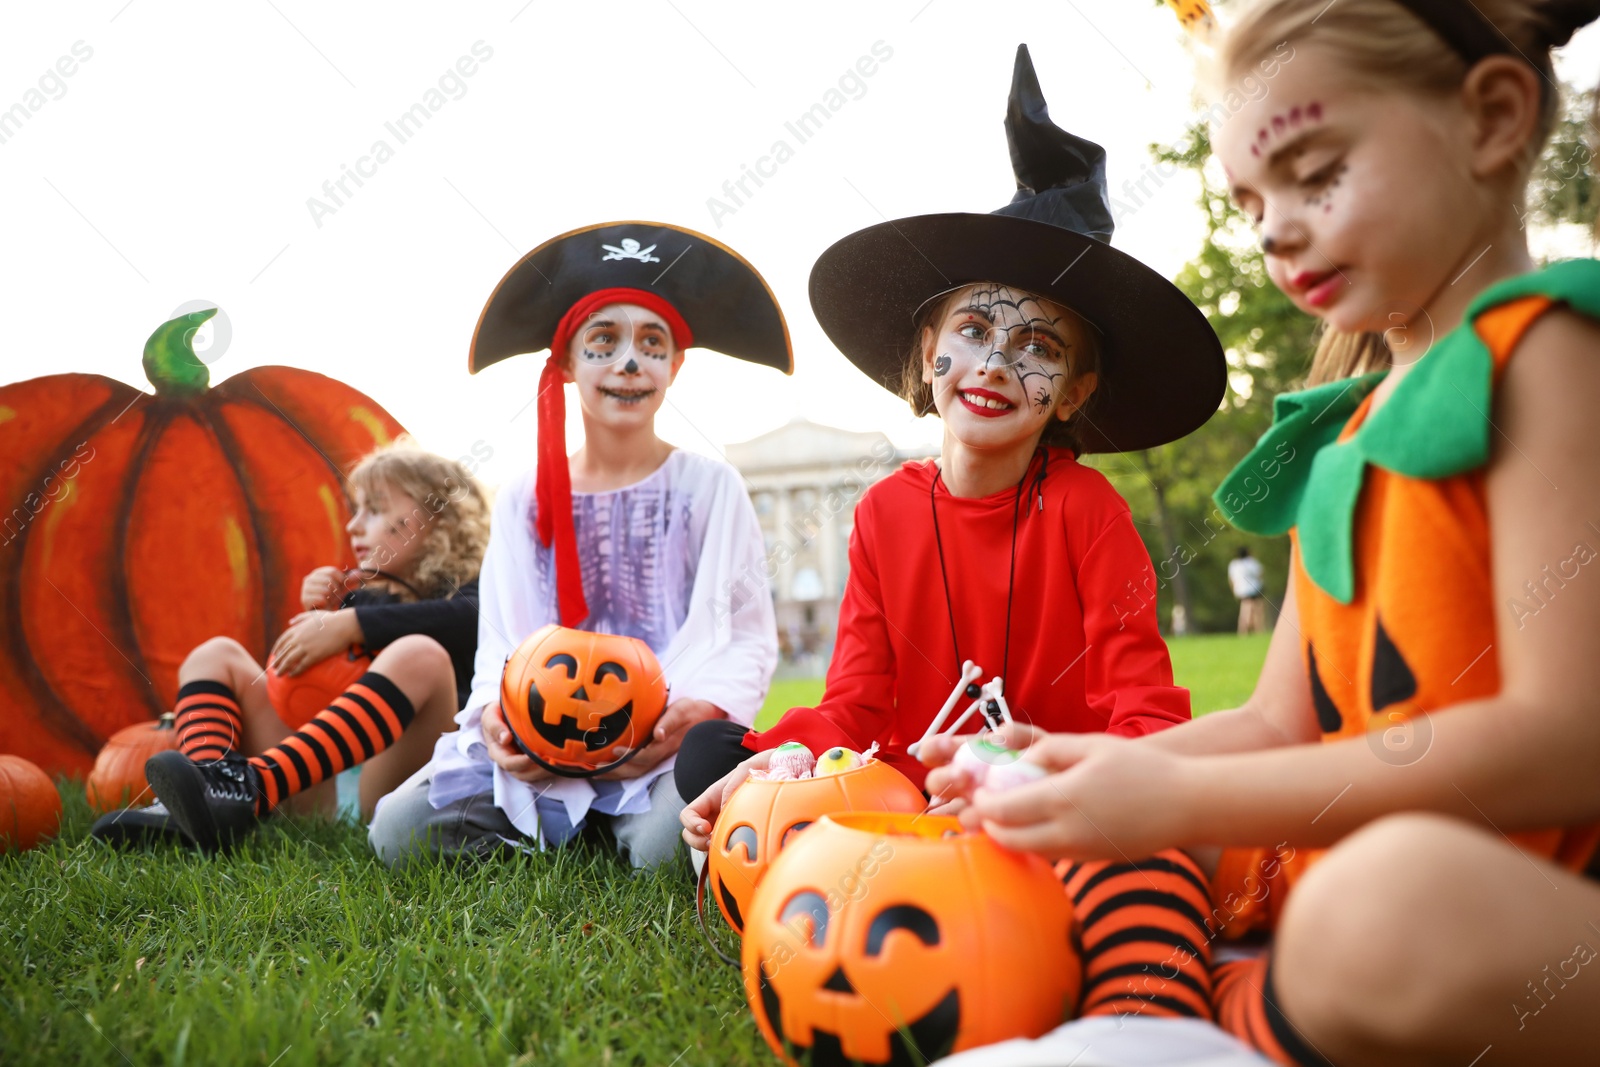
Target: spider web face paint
(1011, 330)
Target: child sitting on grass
(1034, 340)
(1428, 703)
(418, 534)
(630, 535)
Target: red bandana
(553, 480)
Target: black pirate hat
(1162, 372)
(726, 303)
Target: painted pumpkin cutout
(298, 699)
(581, 703)
(112, 500)
(118, 780)
(763, 816)
(882, 938)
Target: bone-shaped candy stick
(990, 693)
(970, 672)
(955, 727)
(991, 696)
(995, 693)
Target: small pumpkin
(30, 806)
(117, 780)
(112, 500)
(298, 699)
(763, 814)
(581, 703)
(883, 938)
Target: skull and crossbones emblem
(630, 249)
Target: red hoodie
(1085, 652)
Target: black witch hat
(727, 304)
(1162, 372)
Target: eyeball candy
(1005, 776)
(995, 766)
(791, 760)
(838, 759)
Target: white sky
(177, 165)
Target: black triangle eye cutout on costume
(1392, 678)
(1328, 716)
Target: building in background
(805, 480)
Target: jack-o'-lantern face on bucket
(580, 703)
(896, 939)
(764, 815)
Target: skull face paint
(623, 359)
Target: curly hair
(452, 513)
(1085, 360)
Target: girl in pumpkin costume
(1035, 341)
(417, 534)
(1428, 704)
(628, 536)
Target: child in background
(1427, 706)
(418, 534)
(628, 536)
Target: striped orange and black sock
(1145, 949)
(1247, 1007)
(360, 723)
(208, 721)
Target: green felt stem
(169, 359)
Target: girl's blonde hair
(1384, 45)
(452, 514)
(1084, 359)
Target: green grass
(1219, 669)
(300, 948)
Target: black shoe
(214, 803)
(149, 825)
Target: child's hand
(667, 737)
(1111, 797)
(940, 749)
(311, 637)
(323, 589)
(699, 816)
(950, 787)
(504, 751)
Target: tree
(1268, 345)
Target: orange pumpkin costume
(1389, 517)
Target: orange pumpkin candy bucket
(764, 814)
(580, 703)
(877, 931)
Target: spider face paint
(623, 359)
(1002, 362)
